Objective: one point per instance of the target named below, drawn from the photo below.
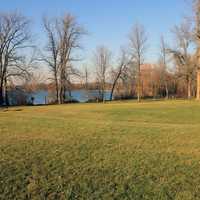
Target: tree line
(128, 76)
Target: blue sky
(107, 21)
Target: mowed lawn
(106, 151)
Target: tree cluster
(128, 76)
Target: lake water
(80, 95)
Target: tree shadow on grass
(7, 110)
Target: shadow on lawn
(7, 110)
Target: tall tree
(52, 48)
(197, 41)
(102, 59)
(14, 38)
(64, 36)
(186, 67)
(70, 33)
(138, 47)
(196, 5)
(163, 66)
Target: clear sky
(107, 21)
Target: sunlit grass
(115, 150)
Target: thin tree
(163, 66)
(196, 5)
(138, 47)
(102, 60)
(52, 47)
(86, 78)
(118, 72)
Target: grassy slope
(101, 151)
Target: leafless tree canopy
(163, 63)
(117, 73)
(64, 36)
(138, 47)
(14, 37)
(102, 62)
(196, 8)
(128, 76)
(185, 62)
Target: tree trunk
(111, 93)
(57, 93)
(115, 82)
(189, 88)
(103, 91)
(166, 91)
(6, 98)
(138, 93)
(198, 85)
(1, 92)
(113, 88)
(6, 94)
(139, 89)
(62, 89)
(102, 97)
(1, 95)
(61, 95)
(70, 93)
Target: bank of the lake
(42, 96)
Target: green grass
(116, 150)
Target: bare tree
(53, 49)
(14, 38)
(186, 66)
(64, 36)
(86, 78)
(116, 73)
(102, 59)
(163, 66)
(70, 33)
(196, 5)
(86, 82)
(138, 47)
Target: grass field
(119, 150)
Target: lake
(80, 95)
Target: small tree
(138, 47)
(116, 73)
